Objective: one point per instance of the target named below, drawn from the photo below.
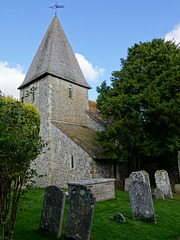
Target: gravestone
(146, 176)
(163, 183)
(141, 198)
(126, 185)
(177, 188)
(80, 214)
(52, 210)
(158, 194)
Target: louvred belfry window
(70, 92)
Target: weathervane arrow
(55, 7)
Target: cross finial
(55, 7)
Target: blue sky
(99, 32)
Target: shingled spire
(55, 57)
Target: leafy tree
(20, 144)
(144, 102)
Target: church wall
(103, 169)
(121, 174)
(42, 101)
(94, 125)
(65, 151)
(69, 101)
(52, 100)
(109, 169)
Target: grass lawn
(103, 227)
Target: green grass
(103, 227)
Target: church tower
(56, 71)
(61, 93)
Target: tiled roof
(83, 136)
(55, 57)
(95, 114)
(93, 107)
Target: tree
(20, 144)
(144, 102)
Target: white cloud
(10, 79)
(174, 34)
(90, 73)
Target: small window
(72, 162)
(70, 92)
(33, 96)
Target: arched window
(72, 162)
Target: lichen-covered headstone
(141, 198)
(80, 214)
(52, 210)
(163, 183)
(158, 194)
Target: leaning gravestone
(163, 183)
(52, 210)
(141, 198)
(80, 214)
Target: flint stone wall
(52, 100)
(107, 169)
(163, 183)
(42, 101)
(53, 103)
(63, 149)
(93, 124)
(103, 189)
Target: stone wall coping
(92, 181)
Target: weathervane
(55, 7)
